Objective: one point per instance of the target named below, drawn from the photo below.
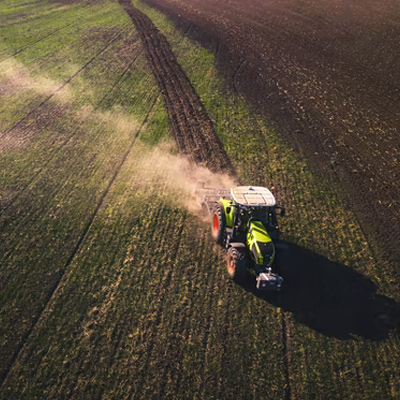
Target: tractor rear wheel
(238, 263)
(218, 225)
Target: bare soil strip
(192, 129)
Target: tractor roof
(253, 196)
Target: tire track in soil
(192, 129)
(53, 291)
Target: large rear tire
(218, 225)
(238, 264)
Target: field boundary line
(19, 351)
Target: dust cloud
(175, 176)
(16, 78)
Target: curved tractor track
(192, 129)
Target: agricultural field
(110, 284)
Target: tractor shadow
(330, 298)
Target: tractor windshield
(266, 215)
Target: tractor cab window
(260, 213)
(266, 215)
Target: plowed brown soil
(192, 129)
(327, 74)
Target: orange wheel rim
(215, 224)
(231, 265)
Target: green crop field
(110, 286)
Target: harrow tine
(210, 196)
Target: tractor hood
(260, 244)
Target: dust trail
(15, 78)
(177, 177)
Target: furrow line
(182, 98)
(174, 104)
(197, 121)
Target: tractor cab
(254, 203)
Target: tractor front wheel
(237, 263)
(218, 225)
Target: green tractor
(244, 221)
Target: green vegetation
(129, 264)
(142, 306)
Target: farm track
(192, 129)
(53, 290)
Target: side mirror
(282, 214)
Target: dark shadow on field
(331, 298)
